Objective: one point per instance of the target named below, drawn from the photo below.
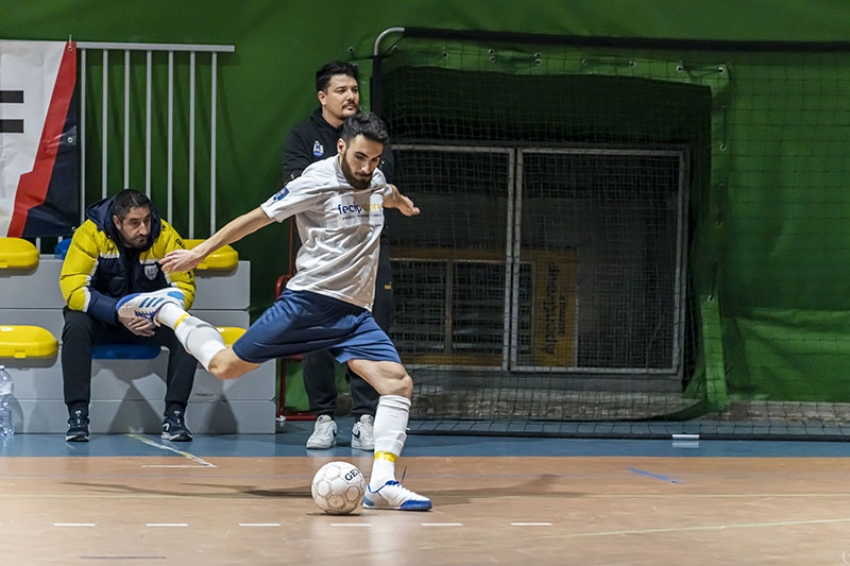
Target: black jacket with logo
(313, 140)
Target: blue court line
(293, 436)
(651, 475)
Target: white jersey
(340, 229)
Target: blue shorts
(302, 321)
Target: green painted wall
(781, 276)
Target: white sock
(390, 435)
(201, 339)
(169, 313)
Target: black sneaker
(174, 427)
(78, 427)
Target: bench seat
(21, 342)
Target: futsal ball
(338, 488)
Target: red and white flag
(38, 138)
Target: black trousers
(319, 368)
(82, 332)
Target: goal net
(566, 275)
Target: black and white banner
(38, 138)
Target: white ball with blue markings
(338, 488)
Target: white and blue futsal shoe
(392, 495)
(146, 305)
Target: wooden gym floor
(245, 499)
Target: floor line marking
(681, 496)
(712, 527)
(651, 475)
(531, 524)
(191, 457)
(102, 496)
(712, 495)
(90, 557)
(171, 466)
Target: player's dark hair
(366, 124)
(128, 199)
(328, 70)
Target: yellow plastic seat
(27, 342)
(223, 259)
(230, 333)
(17, 253)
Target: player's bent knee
(226, 365)
(401, 385)
(388, 378)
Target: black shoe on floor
(174, 427)
(78, 427)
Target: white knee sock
(201, 339)
(390, 434)
(169, 314)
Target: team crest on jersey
(151, 271)
(280, 194)
(318, 150)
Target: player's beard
(134, 243)
(358, 182)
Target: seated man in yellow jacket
(114, 253)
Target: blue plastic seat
(125, 351)
(151, 351)
(61, 249)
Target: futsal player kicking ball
(338, 206)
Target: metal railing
(84, 48)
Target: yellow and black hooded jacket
(98, 270)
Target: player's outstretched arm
(233, 231)
(401, 202)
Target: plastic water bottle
(7, 396)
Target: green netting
(754, 334)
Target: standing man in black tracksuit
(310, 141)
